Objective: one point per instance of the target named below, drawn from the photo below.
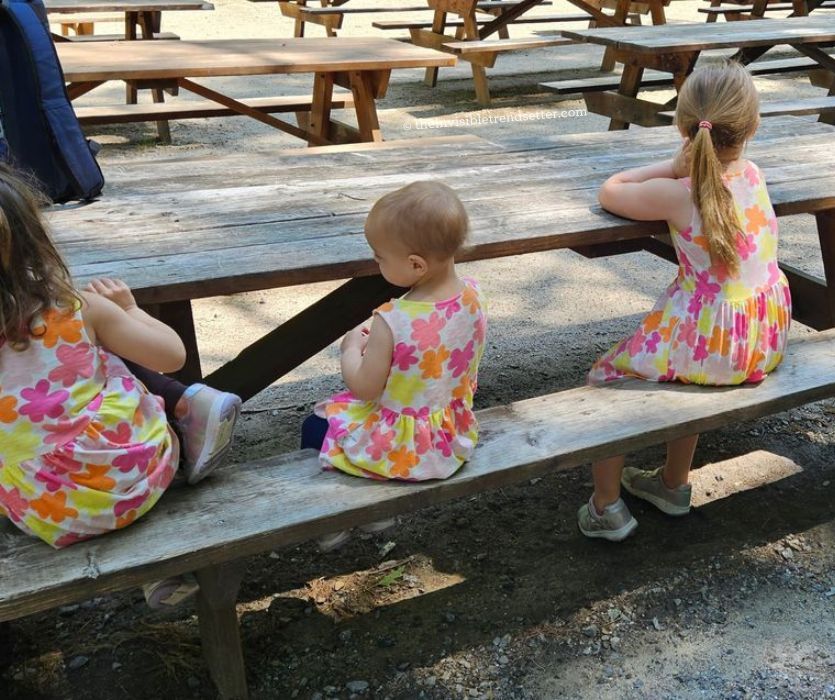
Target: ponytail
(713, 201)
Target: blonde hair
(723, 95)
(427, 217)
(33, 276)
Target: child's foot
(649, 486)
(615, 523)
(333, 541)
(206, 429)
(170, 592)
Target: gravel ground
(495, 596)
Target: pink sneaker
(206, 429)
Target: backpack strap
(82, 170)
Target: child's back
(85, 448)
(422, 426)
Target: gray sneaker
(649, 486)
(615, 524)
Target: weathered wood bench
(331, 16)
(164, 36)
(747, 11)
(486, 50)
(84, 24)
(810, 105)
(656, 79)
(193, 109)
(275, 502)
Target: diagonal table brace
(241, 108)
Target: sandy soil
(497, 596)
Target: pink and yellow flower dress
(422, 426)
(710, 327)
(84, 448)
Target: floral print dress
(84, 448)
(422, 426)
(710, 327)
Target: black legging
(167, 388)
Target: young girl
(725, 318)
(408, 413)
(85, 448)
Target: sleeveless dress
(84, 448)
(710, 327)
(422, 426)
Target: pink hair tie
(705, 124)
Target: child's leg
(680, 452)
(606, 474)
(314, 430)
(205, 418)
(666, 487)
(167, 388)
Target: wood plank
(525, 19)
(809, 105)
(234, 513)
(224, 57)
(84, 6)
(192, 109)
(674, 38)
(489, 6)
(464, 48)
(95, 38)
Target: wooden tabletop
(119, 60)
(673, 38)
(178, 228)
(83, 6)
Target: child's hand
(114, 290)
(357, 337)
(681, 163)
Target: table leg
(430, 76)
(657, 13)
(131, 22)
(298, 339)
(320, 107)
(149, 22)
(621, 11)
(630, 82)
(178, 315)
(362, 86)
(826, 235)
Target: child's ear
(419, 264)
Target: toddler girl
(86, 448)
(408, 413)
(725, 319)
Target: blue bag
(39, 131)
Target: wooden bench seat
(659, 79)
(490, 6)
(810, 105)
(164, 36)
(494, 46)
(194, 109)
(257, 507)
(748, 9)
(524, 19)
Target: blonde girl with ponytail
(725, 318)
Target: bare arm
(124, 329)
(651, 193)
(366, 373)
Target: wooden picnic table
(360, 65)
(181, 229)
(676, 48)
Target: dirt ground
(496, 596)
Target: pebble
(449, 617)
(590, 631)
(503, 660)
(192, 682)
(357, 686)
(77, 662)
(430, 682)
(345, 635)
(317, 696)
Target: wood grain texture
(127, 60)
(78, 6)
(188, 228)
(279, 501)
(465, 48)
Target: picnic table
(362, 66)
(142, 17)
(169, 230)
(676, 48)
(756, 9)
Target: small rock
(591, 631)
(449, 617)
(503, 660)
(357, 686)
(115, 666)
(655, 623)
(345, 636)
(786, 553)
(430, 682)
(66, 610)
(614, 642)
(77, 662)
(317, 696)
(403, 666)
(192, 682)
